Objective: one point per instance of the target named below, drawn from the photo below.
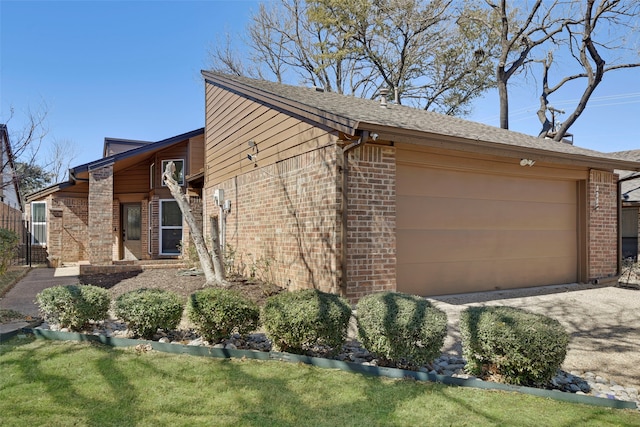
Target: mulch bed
(182, 282)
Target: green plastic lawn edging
(330, 364)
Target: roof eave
(496, 148)
(78, 171)
(48, 190)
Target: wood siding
(196, 154)
(278, 136)
(468, 224)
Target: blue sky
(131, 70)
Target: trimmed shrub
(401, 326)
(147, 310)
(73, 306)
(299, 320)
(217, 313)
(519, 346)
(9, 242)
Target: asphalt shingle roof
(358, 112)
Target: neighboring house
(118, 207)
(630, 198)
(355, 196)
(10, 200)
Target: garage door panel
(482, 245)
(458, 277)
(417, 181)
(449, 213)
(465, 230)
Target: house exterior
(118, 208)
(10, 200)
(354, 196)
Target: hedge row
(520, 347)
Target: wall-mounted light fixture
(253, 156)
(527, 162)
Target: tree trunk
(217, 257)
(212, 276)
(504, 100)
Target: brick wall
(154, 226)
(69, 228)
(603, 232)
(144, 229)
(371, 224)
(101, 215)
(284, 221)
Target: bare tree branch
(211, 264)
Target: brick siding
(371, 221)
(284, 221)
(68, 228)
(101, 210)
(603, 223)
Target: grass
(10, 278)
(56, 383)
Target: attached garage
(466, 224)
(402, 199)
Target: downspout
(619, 220)
(345, 199)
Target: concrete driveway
(22, 296)
(604, 323)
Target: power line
(593, 102)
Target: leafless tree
(520, 32)
(25, 140)
(61, 153)
(590, 37)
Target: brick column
(371, 221)
(101, 215)
(603, 224)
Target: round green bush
(217, 313)
(73, 306)
(521, 347)
(401, 326)
(147, 310)
(299, 320)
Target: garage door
(466, 231)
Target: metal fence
(11, 219)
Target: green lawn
(54, 383)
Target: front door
(131, 226)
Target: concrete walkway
(21, 297)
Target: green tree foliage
(430, 55)
(31, 177)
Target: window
(39, 223)
(170, 227)
(179, 173)
(152, 175)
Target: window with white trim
(178, 175)
(152, 175)
(170, 227)
(39, 223)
